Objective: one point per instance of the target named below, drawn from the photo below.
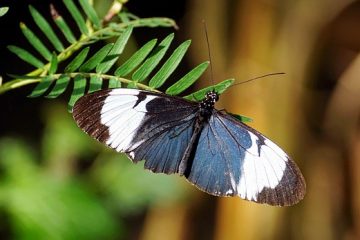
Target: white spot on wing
(276, 149)
(229, 192)
(110, 115)
(132, 155)
(261, 171)
(124, 91)
(122, 117)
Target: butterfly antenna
(209, 53)
(252, 79)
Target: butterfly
(212, 149)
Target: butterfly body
(211, 149)
(205, 110)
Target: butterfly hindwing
(233, 159)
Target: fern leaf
(114, 83)
(26, 56)
(60, 86)
(96, 58)
(95, 83)
(35, 42)
(114, 53)
(41, 87)
(153, 60)
(53, 64)
(62, 25)
(188, 80)
(76, 14)
(46, 29)
(77, 61)
(90, 12)
(169, 66)
(78, 91)
(3, 11)
(135, 60)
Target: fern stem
(16, 83)
(22, 82)
(127, 81)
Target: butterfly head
(211, 96)
(207, 105)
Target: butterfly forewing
(221, 155)
(145, 125)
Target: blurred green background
(57, 183)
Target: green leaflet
(219, 88)
(76, 14)
(41, 87)
(99, 56)
(187, 80)
(77, 61)
(95, 83)
(78, 91)
(46, 29)
(3, 11)
(153, 60)
(115, 51)
(53, 64)
(114, 83)
(137, 58)
(90, 12)
(169, 66)
(62, 25)
(26, 56)
(60, 86)
(35, 42)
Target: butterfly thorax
(207, 105)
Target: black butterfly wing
(146, 126)
(233, 159)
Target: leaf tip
(22, 25)
(54, 13)
(3, 11)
